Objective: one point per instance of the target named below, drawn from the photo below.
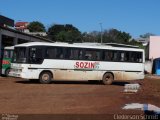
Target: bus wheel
(107, 79)
(7, 72)
(45, 78)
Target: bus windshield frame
(20, 55)
(28, 55)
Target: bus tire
(7, 72)
(107, 79)
(45, 77)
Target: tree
(147, 35)
(111, 35)
(54, 30)
(36, 26)
(136, 43)
(64, 33)
(116, 36)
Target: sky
(136, 17)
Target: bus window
(115, 56)
(20, 55)
(121, 56)
(51, 53)
(96, 55)
(92, 55)
(35, 55)
(74, 54)
(80, 54)
(67, 53)
(6, 54)
(136, 57)
(54, 53)
(107, 55)
(59, 53)
(11, 53)
(139, 57)
(127, 55)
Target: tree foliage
(69, 33)
(36, 26)
(64, 33)
(111, 35)
(91, 37)
(116, 36)
(147, 35)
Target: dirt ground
(18, 96)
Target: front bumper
(14, 73)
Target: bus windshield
(20, 55)
(8, 53)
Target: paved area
(18, 96)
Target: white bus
(62, 61)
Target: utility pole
(101, 33)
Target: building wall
(154, 47)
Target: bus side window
(50, 53)
(89, 54)
(59, 54)
(122, 56)
(98, 55)
(127, 56)
(107, 55)
(115, 56)
(36, 56)
(80, 54)
(68, 53)
(133, 57)
(139, 57)
(136, 57)
(74, 54)
(93, 55)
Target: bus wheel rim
(108, 78)
(45, 77)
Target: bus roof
(78, 45)
(121, 45)
(9, 47)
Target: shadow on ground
(60, 82)
(72, 82)
(120, 83)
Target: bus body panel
(65, 70)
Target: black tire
(7, 72)
(45, 78)
(107, 79)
